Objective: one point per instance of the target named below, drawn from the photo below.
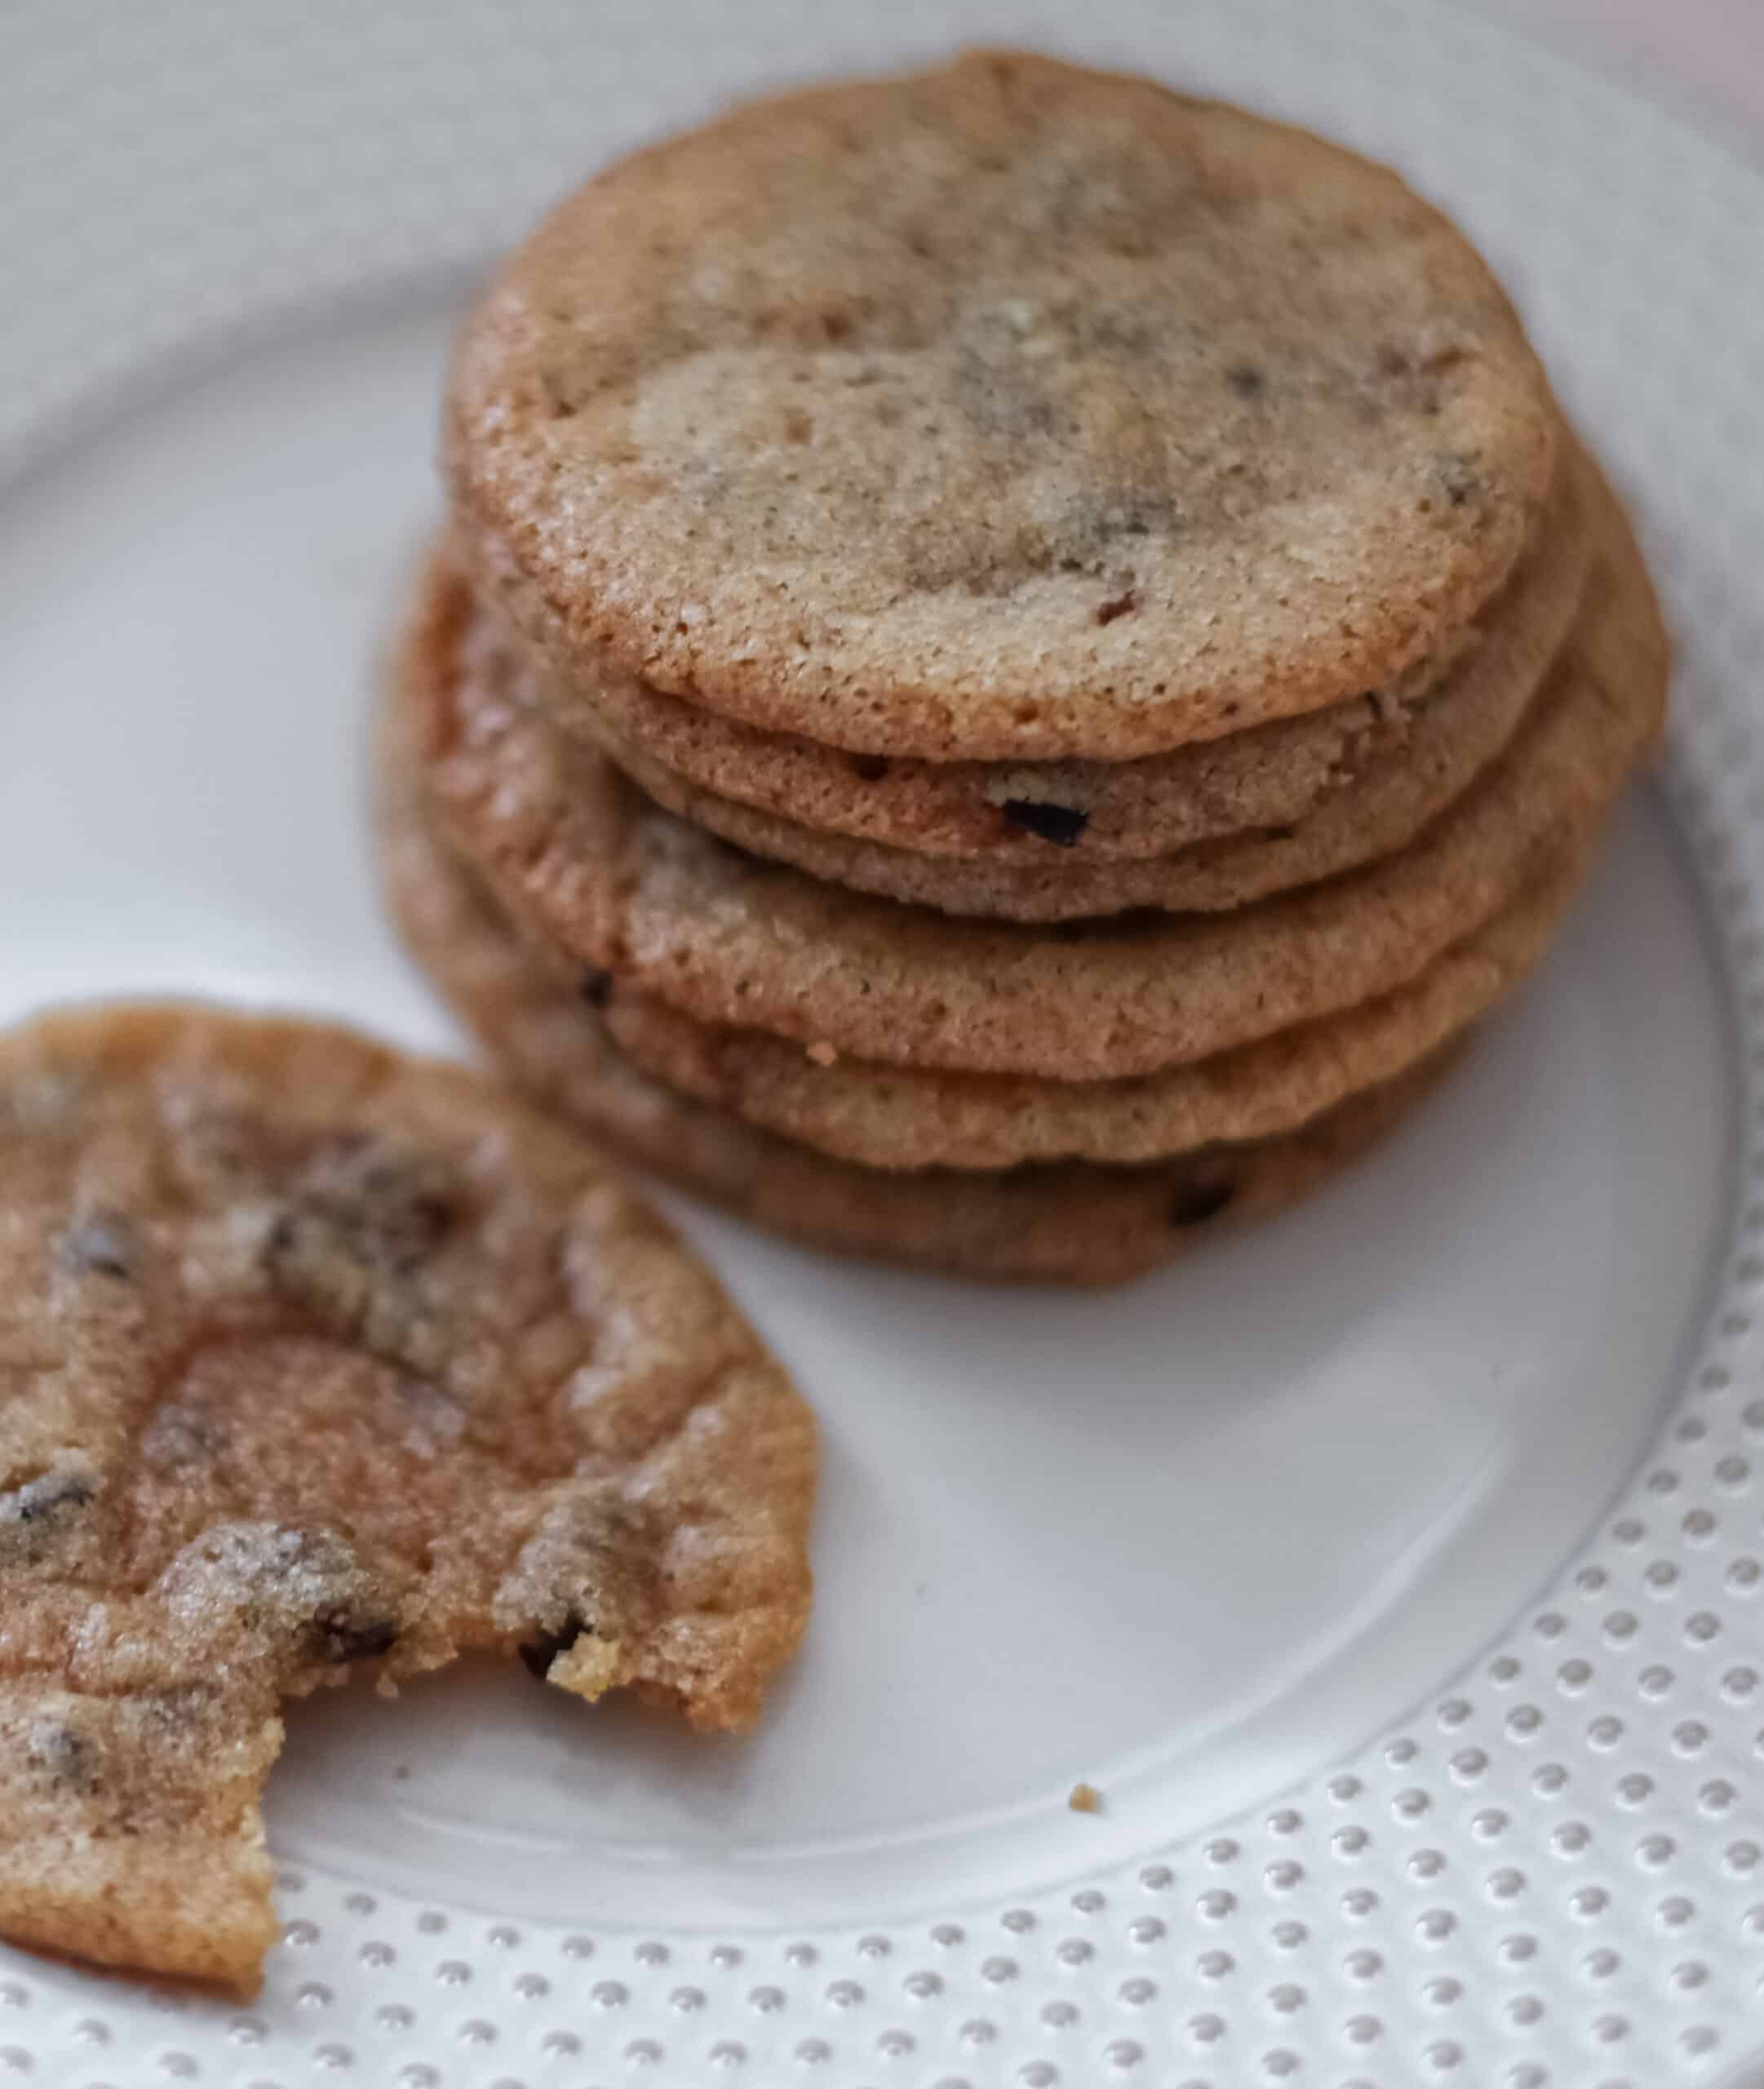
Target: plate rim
(1708, 833)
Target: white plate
(1350, 1477)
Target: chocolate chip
(39, 1501)
(99, 1244)
(1458, 476)
(64, 1755)
(1194, 1203)
(1086, 538)
(338, 1637)
(358, 1208)
(595, 988)
(40, 1518)
(1117, 605)
(1246, 380)
(537, 1654)
(1059, 824)
(869, 768)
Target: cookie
(1041, 821)
(1434, 751)
(893, 1117)
(1068, 1222)
(1005, 411)
(885, 1116)
(320, 1355)
(619, 885)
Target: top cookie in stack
(1112, 568)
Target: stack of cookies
(1017, 658)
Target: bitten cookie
(323, 1355)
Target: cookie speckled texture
(893, 1117)
(1430, 752)
(1070, 1223)
(317, 1355)
(885, 1116)
(575, 852)
(1007, 410)
(1043, 825)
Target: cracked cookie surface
(314, 1354)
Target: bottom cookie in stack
(1069, 1221)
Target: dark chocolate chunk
(359, 1207)
(1059, 824)
(1117, 605)
(99, 1244)
(338, 1637)
(64, 1755)
(1194, 1203)
(1458, 476)
(537, 1654)
(40, 1518)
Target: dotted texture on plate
(1551, 1876)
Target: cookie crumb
(1085, 1798)
(823, 1054)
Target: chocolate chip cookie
(1003, 411)
(575, 852)
(321, 1356)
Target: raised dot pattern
(1548, 1879)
